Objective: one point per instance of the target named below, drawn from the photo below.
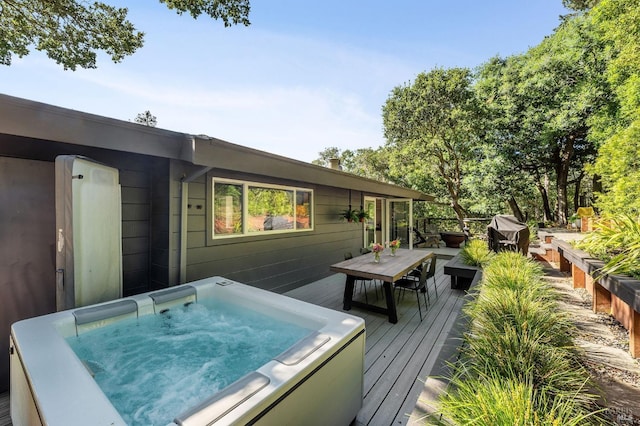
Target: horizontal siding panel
(132, 229)
(136, 262)
(135, 245)
(196, 223)
(135, 195)
(135, 212)
(197, 190)
(134, 178)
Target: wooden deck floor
(399, 357)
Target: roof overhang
(30, 119)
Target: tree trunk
(576, 194)
(548, 214)
(515, 209)
(562, 176)
(460, 213)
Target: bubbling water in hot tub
(153, 367)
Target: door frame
(388, 223)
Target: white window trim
(245, 208)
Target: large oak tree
(431, 127)
(71, 32)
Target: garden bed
(617, 295)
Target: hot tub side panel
(331, 394)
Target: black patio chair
(410, 283)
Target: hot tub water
(154, 366)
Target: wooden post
(578, 276)
(601, 301)
(589, 283)
(634, 335)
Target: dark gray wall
(27, 236)
(144, 182)
(277, 262)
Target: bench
(616, 295)
(462, 275)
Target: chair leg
(425, 297)
(435, 286)
(419, 309)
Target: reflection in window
(303, 209)
(227, 208)
(243, 208)
(270, 209)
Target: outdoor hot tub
(316, 379)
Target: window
(248, 208)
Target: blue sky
(303, 77)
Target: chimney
(335, 163)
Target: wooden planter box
(617, 295)
(462, 275)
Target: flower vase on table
(376, 249)
(394, 245)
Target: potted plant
(363, 215)
(349, 215)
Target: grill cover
(507, 233)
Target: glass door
(400, 221)
(372, 222)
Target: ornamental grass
(496, 400)
(616, 241)
(518, 364)
(476, 253)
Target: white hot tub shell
(319, 380)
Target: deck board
(5, 418)
(398, 357)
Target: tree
(72, 31)
(146, 118)
(431, 127)
(365, 162)
(541, 104)
(618, 25)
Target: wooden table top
(390, 268)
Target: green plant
(476, 253)
(518, 365)
(616, 241)
(495, 400)
(363, 215)
(349, 215)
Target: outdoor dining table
(388, 270)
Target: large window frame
(247, 215)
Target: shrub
(616, 241)
(498, 401)
(518, 364)
(476, 253)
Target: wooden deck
(399, 357)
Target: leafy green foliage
(539, 104)
(499, 401)
(616, 241)
(365, 162)
(71, 31)
(232, 12)
(431, 127)
(618, 24)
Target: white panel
(97, 233)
